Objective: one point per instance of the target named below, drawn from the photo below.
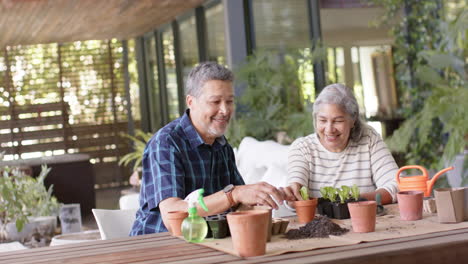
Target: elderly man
(191, 152)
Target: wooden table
(441, 247)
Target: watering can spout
(430, 183)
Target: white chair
(129, 201)
(264, 161)
(114, 223)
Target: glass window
(282, 27)
(281, 24)
(215, 32)
(171, 75)
(188, 44)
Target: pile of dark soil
(321, 226)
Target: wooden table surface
(441, 247)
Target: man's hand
(258, 193)
(292, 193)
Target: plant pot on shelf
(43, 226)
(175, 219)
(363, 216)
(249, 232)
(305, 210)
(340, 210)
(410, 204)
(450, 204)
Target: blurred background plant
(135, 157)
(23, 196)
(430, 55)
(277, 96)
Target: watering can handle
(424, 171)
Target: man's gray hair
(206, 71)
(342, 96)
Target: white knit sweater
(367, 163)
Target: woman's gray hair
(206, 71)
(341, 95)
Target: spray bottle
(194, 227)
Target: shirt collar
(194, 137)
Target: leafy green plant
(324, 192)
(273, 99)
(430, 54)
(445, 72)
(355, 192)
(343, 192)
(139, 143)
(330, 193)
(304, 193)
(23, 196)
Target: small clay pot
(267, 208)
(249, 232)
(175, 219)
(410, 204)
(306, 210)
(218, 226)
(363, 216)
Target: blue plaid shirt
(176, 162)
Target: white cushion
(262, 161)
(114, 223)
(129, 201)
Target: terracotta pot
(249, 232)
(306, 210)
(450, 204)
(363, 216)
(410, 204)
(175, 219)
(267, 208)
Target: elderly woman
(343, 151)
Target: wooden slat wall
(68, 97)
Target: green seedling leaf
(304, 193)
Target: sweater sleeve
(298, 168)
(383, 165)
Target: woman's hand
(292, 193)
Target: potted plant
(305, 209)
(139, 143)
(340, 208)
(325, 202)
(355, 192)
(27, 207)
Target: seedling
(331, 193)
(304, 193)
(323, 192)
(344, 193)
(355, 192)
